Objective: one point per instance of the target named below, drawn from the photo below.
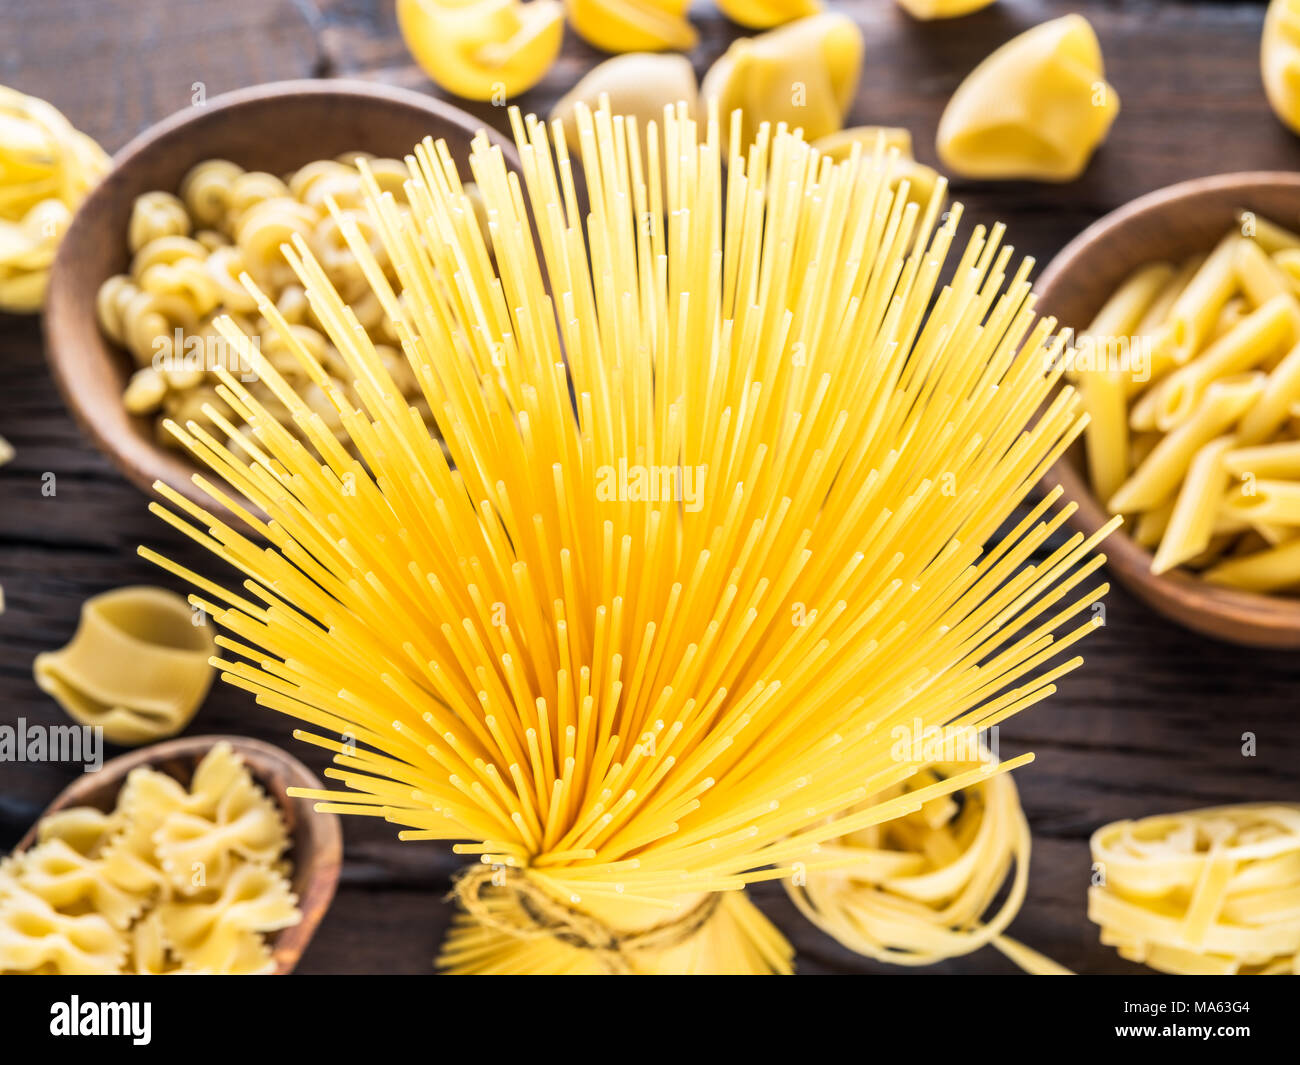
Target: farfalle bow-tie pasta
(1036, 108)
(764, 14)
(1279, 60)
(137, 666)
(172, 880)
(633, 25)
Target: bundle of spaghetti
(711, 519)
(915, 890)
(1206, 892)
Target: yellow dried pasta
(483, 49)
(174, 879)
(804, 74)
(1204, 892)
(46, 170)
(1036, 108)
(137, 666)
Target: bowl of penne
(1185, 309)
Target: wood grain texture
(1152, 723)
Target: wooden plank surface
(1154, 721)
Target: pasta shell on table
(922, 180)
(633, 25)
(1036, 108)
(638, 85)
(46, 169)
(246, 823)
(764, 14)
(137, 665)
(804, 74)
(935, 9)
(483, 49)
(1279, 60)
(221, 935)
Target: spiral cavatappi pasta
(191, 253)
(137, 666)
(1036, 108)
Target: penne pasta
(1265, 503)
(1272, 570)
(1151, 525)
(1260, 277)
(1278, 460)
(1123, 312)
(1273, 408)
(1270, 236)
(1158, 477)
(1157, 315)
(1230, 317)
(1198, 443)
(1191, 522)
(1106, 440)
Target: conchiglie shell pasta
(804, 74)
(137, 665)
(932, 9)
(639, 85)
(1036, 108)
(1279, 60)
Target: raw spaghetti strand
(1213, 891)
(721, 465)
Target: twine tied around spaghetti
(537, 913)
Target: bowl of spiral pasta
(174, 269)
(1185, 311)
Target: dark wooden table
(1153, 722)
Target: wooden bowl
(1170, 223)
(278, 128)
(315, 839)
